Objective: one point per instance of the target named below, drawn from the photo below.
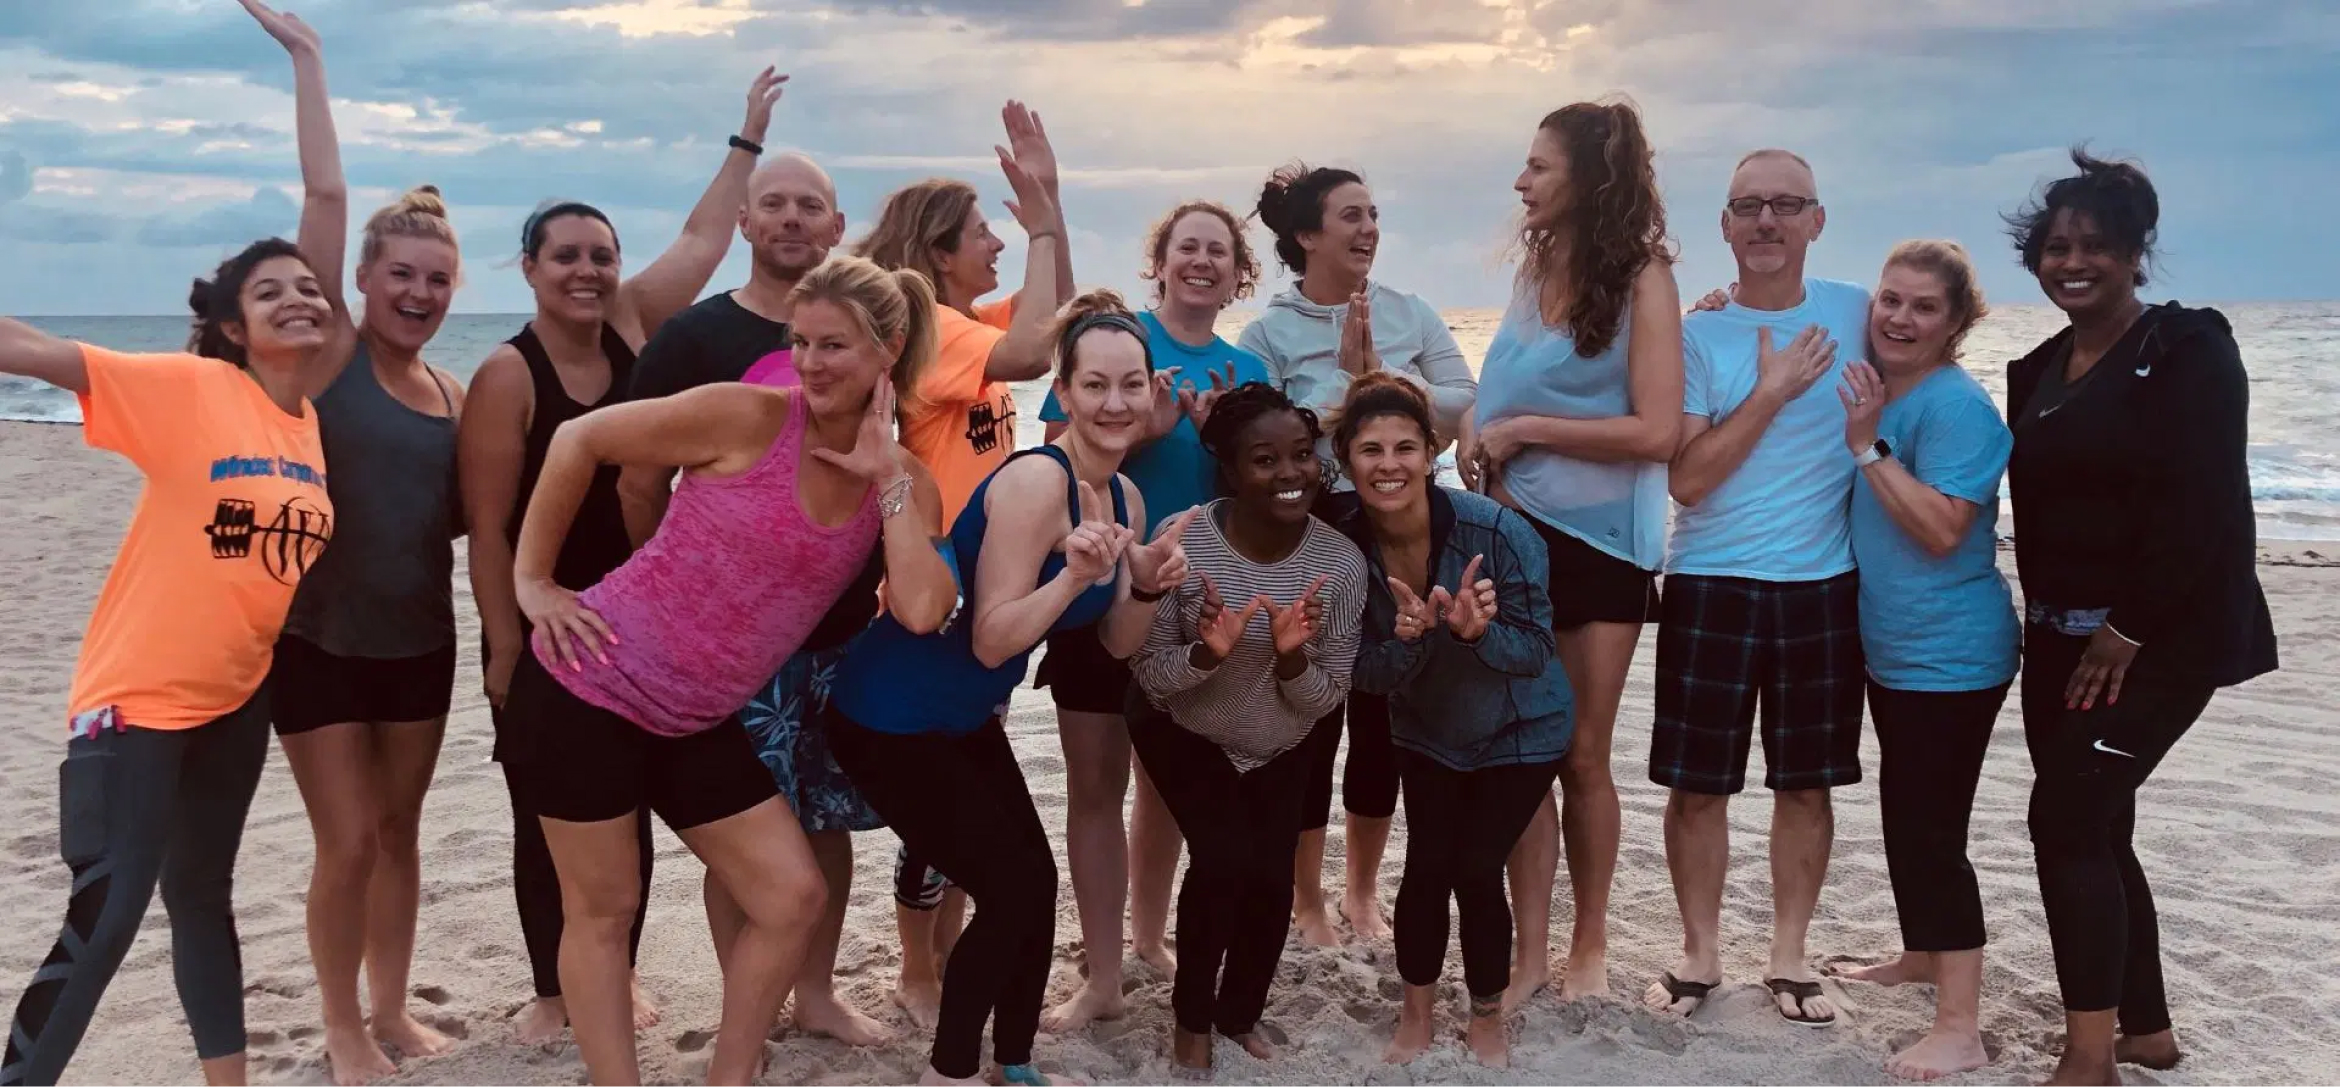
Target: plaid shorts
(1726, 643)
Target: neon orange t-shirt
(232, 514)
(969, 425)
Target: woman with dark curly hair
(2136, 545)
(1199, 261)
(1580, 406)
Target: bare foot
(1316, 930)
(355, 1058)
(1588, 975)
(1364, 916)
(1911, 967)
(2082, 1072)
(1527, 979)
(1939, 1054)
(1157, 956)
(1190, 1052)
(411, 1037)
(2158, 1051)
(1092, 1002)
(829, 1017)
(1255, 1045)
(922, 998)
(646, 1013)
(542, 1021)
(1413, 1036)
(1489, 1036)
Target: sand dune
(2241, 832)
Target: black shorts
(584, 764)
(1080, 674)
(313, 688)
(1726, 644)
(1589, 585)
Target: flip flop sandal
(1678, 991)
(1802, 991)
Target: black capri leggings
(1460, 827)
(140, 807)
(1369, 779)
(959, 801)
(2089, 765)
(1235, 902)
(1933, 744)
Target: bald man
(1760, 606)
(790, 223)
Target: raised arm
(1024, 353)
(324, 226)
(1652, 431)
(1712, 450)
(673, 281)
(26, 351)
(1013, 608)
(491, 438)
(1028, 141)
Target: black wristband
(1144, 597)
(747, 145)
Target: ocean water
(2291, 348)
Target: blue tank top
(1533, 369)
(899, 682)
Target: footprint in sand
(304, 1033)
(261, 1039)
(432, 994)
(692, 1041)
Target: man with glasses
(1759, 605)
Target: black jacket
(2134, 493)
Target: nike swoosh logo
(2050, 410)
(2145, 370)
(2099, 745)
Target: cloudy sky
(141, 140)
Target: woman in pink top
(632, 693)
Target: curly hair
(219, 301)
(1240, 407)
(1158, 246)
(2115, 195)
(1611, 225)
(1374, 396)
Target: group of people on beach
(768, 566)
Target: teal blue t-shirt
(1173, 472)
(1938, 624)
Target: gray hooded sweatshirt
(1301, 343)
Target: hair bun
(199, 299)
(424, 200)
(1275, 197)
(1100, 300)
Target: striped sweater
(1241, 705)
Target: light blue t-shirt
(1781, 516)
(1938, 624)
(1173, 472)
(1532, 369)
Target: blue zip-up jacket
(1501, 701)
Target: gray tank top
(385, 589)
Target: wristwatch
(1876, 451)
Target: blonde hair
(916, 221)
(885, 304)
(1073, 322)
(419, 213)
(1947, 261)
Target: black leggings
(959, 801)
(1933, 744)
(140, 807)
(1460, 828)
(1369, 779)
(2089, 765)
(1235, 901)
(537, 888)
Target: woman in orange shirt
(169, 721)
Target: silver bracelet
(894, 497)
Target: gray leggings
(141, 806)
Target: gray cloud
(57, 226)
(268, 212)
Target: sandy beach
(2240, 831)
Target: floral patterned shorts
(784, 722)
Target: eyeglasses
(1786, 207)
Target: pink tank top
(726, 591)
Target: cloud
(59, 226)
(269, 212)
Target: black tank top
(597, 542)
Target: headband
(1089, 322)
